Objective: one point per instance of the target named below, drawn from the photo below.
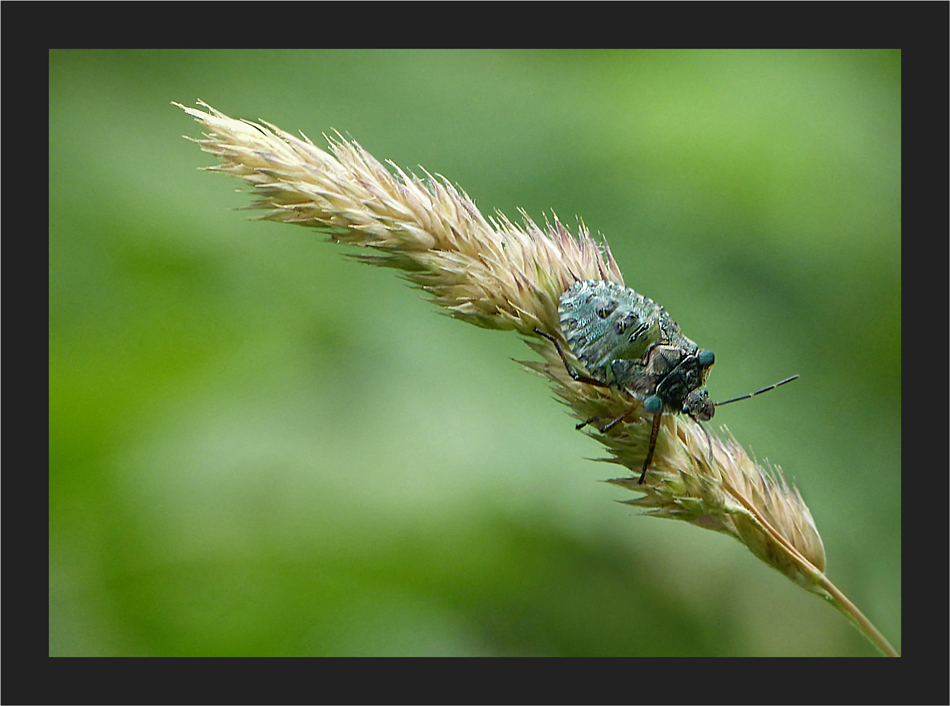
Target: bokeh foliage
(259, 447)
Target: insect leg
(579, 378)
(609, 425)
(570, 371)
(653, 434)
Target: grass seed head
(496, 274)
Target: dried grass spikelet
(495, 274)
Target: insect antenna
(758, 392)
(736, 399)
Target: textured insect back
(627, 339)
(604, 322)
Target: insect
(628, 342)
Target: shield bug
(628, 342)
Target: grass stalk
(495, 274)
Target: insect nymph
(629, 342)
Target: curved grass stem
(494, 274)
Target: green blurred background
(259, 447)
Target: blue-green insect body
(627, 341)
(630, 342)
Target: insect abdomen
(605, 321)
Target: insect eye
(653, 404)
(705, 358)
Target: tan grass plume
(495, 274)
